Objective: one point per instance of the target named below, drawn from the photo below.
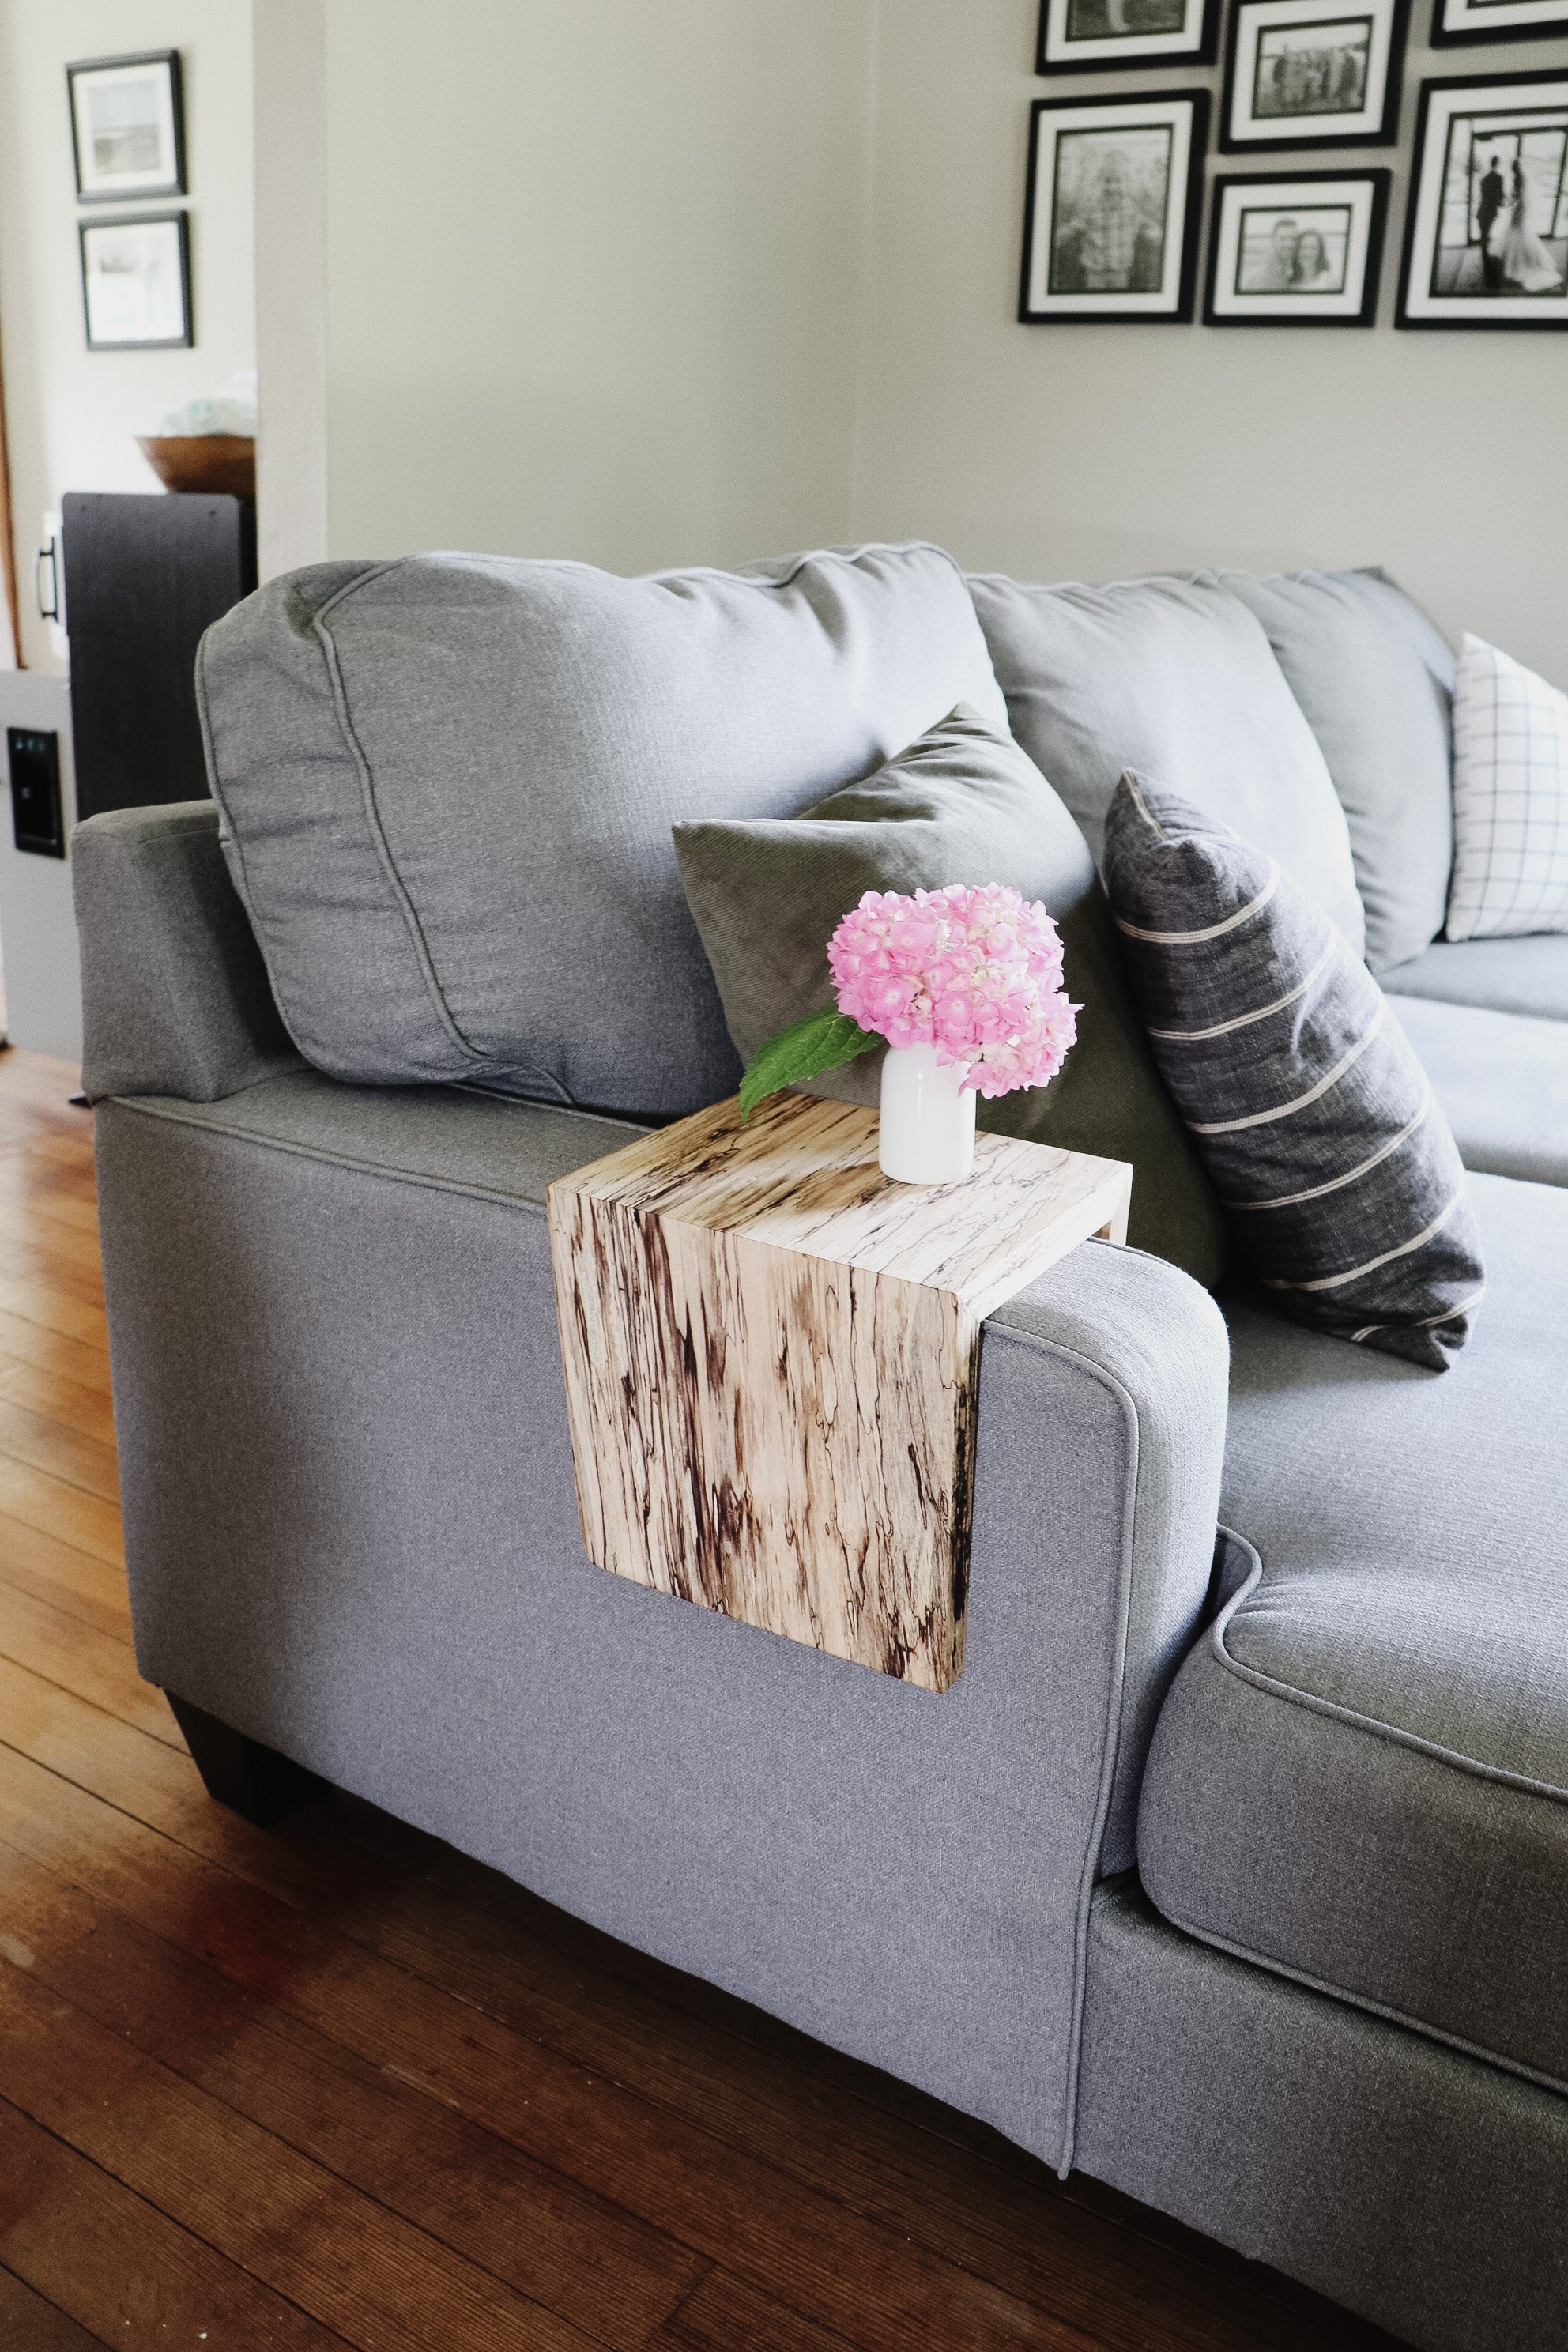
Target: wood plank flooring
(333, 2085)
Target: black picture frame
(133, 188)
(1378, 181)
(1132, 58)
(1179, 313)
(1425, 204)
(101, 227)
(1551, 25)
(1386, 131)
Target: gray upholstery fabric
(1423, 2189)
(371, 1560)
(960, 804)
(175, 999)
(1333, 1162)
(1360, 1775)
(1528, 975)
(1376, 680)
(1175, 678)
(448, 785)
(1502, 1080)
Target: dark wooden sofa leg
(250, 1780)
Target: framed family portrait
(1110, 217)
(1307, 73)
(136, 282)
(1097, 36)
(128, 127)
(1497, 20)
(1486, 235)
(1302, 252)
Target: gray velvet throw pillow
(1338, 1173)
(962, 805)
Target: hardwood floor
(334, 2084)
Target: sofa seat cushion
(1360, 1775)
(446, 785)
(1175, 678)
(1502, 1081)
(1525, 975)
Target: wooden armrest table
(771, 1355)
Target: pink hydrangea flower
(976, 973)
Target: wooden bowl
(202, 461)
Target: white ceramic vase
(927, 1133)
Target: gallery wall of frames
(128, 135)
(1114, 206)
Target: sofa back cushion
(1375, 679)
(446, 784)
(1174, 678)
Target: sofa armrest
(176, 997)
(1142, 1419)
(332, 1309)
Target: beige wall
(1083, 451)
(290, 51)
(73, 414)
(695, 282)
(593, 275)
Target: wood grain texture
(771, 1355)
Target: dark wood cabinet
(144, 578)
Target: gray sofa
(1234, 1870)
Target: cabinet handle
(49, 555)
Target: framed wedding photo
(1098, 36)
(1111, 218)
(128, 127)
(1309, 73)
(136, 283)
(1486, 232)
(1302, 252)
(1497, 20)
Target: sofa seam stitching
(373, 823)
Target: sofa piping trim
(1367, 1723)
(1114, 1714)
(1391, 2016)
(197, 1115)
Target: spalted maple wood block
(771, 1357)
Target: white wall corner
(290, 68)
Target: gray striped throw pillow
(1340, 1179)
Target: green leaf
(821, 1042)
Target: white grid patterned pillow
(1510, 799)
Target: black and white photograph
(1096, 35)
(1497, 20)
(1312, 69)
(1112, 215)
(1300, 73)
(1302, 252)
(136, 283)
(128, 127)
(1485, 243)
